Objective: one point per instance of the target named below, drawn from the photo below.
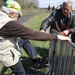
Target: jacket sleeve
(73, 23)
(47, 22)
(18, 30)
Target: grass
(33, 12)
(41, 47)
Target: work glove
(65, 32)
(62, 33)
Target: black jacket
(55, 18)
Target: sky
(46, 3)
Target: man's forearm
(42, 30)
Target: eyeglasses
(18, 15)
(67, 9)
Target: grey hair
(7, 10)
(67, 2)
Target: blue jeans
(18, 69)
(27, 47)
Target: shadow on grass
(42, 51)
(4, 69)
(28, 65)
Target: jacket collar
(4, 19)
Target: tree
(29, 3)
(49, 7)
(37, 3)
(1, 3)
(53, 8)
(26, 3)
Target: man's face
(14, 15)
(66, 9)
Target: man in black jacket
(63, 20)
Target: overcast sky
(46, 3)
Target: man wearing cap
(10, 30)
(25, 43)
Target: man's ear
(71, 8)
(11, 14)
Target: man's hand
(65, 32)
(63, 38)
(42, 30)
